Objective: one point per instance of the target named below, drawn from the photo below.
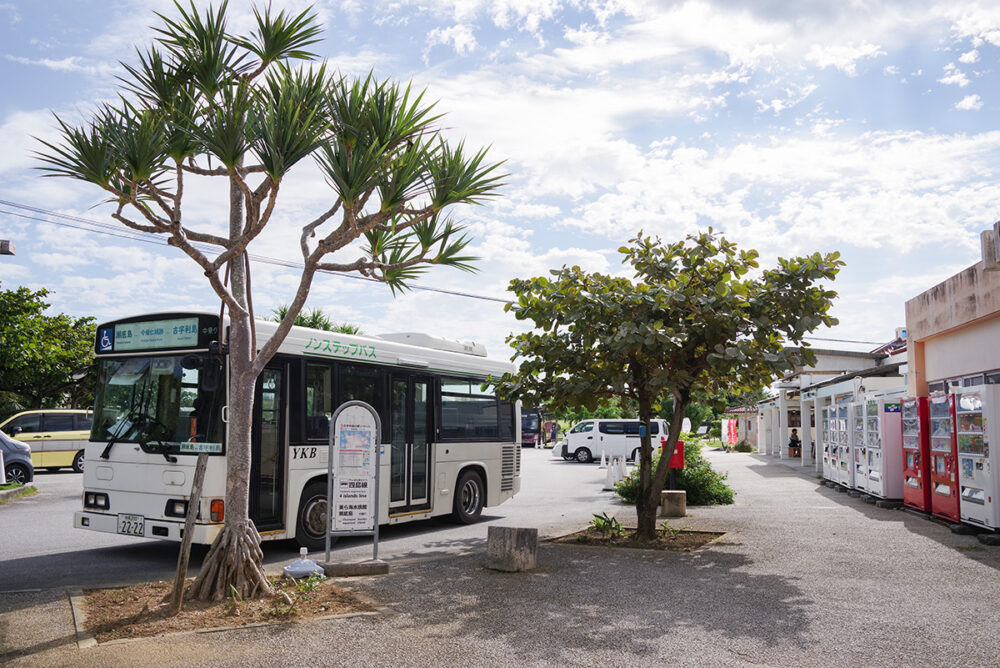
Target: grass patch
(139, 611)
(23, 494)
(970, 548)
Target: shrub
(704, 485)
(743, 446)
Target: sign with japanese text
(354, 465)
(150, 335)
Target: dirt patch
(679, 540)
(138, 611)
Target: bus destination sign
(148, 335)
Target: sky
(864, 127)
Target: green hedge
(704, 485)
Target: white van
(615, 438)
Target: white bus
(449, 447)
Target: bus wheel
(78, 462)
(310, 527)
(635, 456)
(583, 456)
(470, 494)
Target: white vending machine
(845, 456)
(977, 425)
(829, 415)
(859, 459)
(884, 445)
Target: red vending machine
(916, 458)
(944, 458)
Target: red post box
(677, 461)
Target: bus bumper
(152, 528)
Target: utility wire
(116, 231)
(89, 225)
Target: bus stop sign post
(352, 490)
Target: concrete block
(511, 549)
(673, 503)
(370, 567)
(888, 504)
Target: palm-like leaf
(202, 47)
(283, 36)
(223, 128)
(291, 120)
(453, 177)
(86, 154)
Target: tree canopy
(43, 356)
(315, 318)
(693, 321)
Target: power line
(116, 231)
(88, 225)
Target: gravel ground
(804, 576)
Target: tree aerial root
(234, 561)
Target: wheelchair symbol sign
(106, 341)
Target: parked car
(615, 438)
(16, 459)
(57, 436)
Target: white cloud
(969, 57)
(460, 37)
(844, 57)
(955, 76)
(969, 103)
(74, 64)
(890, 70)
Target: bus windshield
(529, 423)
(166, 404)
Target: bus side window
(319, 400)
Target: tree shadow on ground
(565, 605)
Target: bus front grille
(508, 466)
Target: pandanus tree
(243, 111)
(691, 321)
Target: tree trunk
(682, 399)
(646, 500)
(235, 561)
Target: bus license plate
(131, 525)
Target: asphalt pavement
(804, 575)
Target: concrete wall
(953, 328)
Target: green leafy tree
(691, 322)
(242, 110)
(315, 319)
(43, 358)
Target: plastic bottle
(302, 567)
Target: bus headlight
(218, 508)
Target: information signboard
(355, 437)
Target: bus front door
(267, 468)
(410, 459)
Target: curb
(9, 494)
(84, 639)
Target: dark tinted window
(612, 428)
(506, 409)
(82, 422)
(319, 400)
(58, 422)
(28, 424)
